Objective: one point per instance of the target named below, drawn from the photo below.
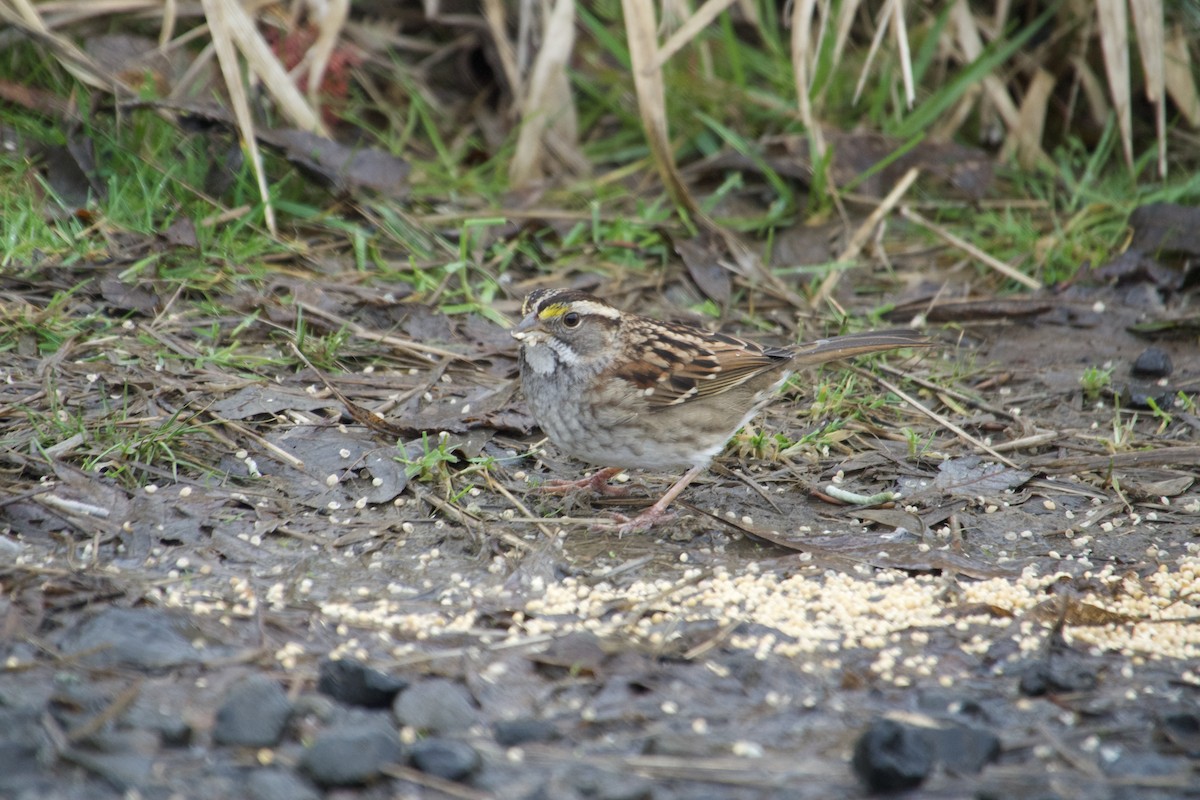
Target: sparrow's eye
(571, 319)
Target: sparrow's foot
(597, 483)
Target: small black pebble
(1057, 676)
(891, 757)
(447, 759)
(1139, 395)
(354, 683)
(512, 732)
(1152, 363)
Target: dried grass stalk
(690, 28)
(1033, 118)
(220, 28)
(1148, 21)
(642, 39)
(803, 56)
(971, 43)
(1114, 32)
(548, 120)
(1180, 76)
(231, 21)
(25, 16)
(330, 17)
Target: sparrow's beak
(523, 327)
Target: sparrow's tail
(858, 344)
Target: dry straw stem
(939, 419)
(892, 16)
(549, 124)
(642, 39)
(1112, 18)
(1148, 22)
(971, 43)
(1032, 118)
(863, 234)
(970, 249)
(647, 61)
(233, 30)
(330, 18)
(497, 21)
(218, 13)
(1180, 76)
(1114, 33)
(689, 30)
(166, 31)
(23, 15)
(803, 54)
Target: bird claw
(597, 483)
(639, 524)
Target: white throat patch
(545, 353)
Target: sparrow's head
(576, 326)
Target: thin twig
(962, 244)
(861, 236)
(938, 418)
(497, 487)
(273, 449)
(382, 338)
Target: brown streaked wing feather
(715, 363)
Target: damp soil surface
(223, 578)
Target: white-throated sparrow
(621, 390)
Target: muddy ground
(217, 582)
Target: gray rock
(512, 732)
(142, 638)
(435, 705)
(254, 714)
(604, 785)
(891, 757)
(1152, 363)
(444, 758)
(963, 749)
(354, 683)
(278, 784)
(19, 767)
(124, 771)
(172, 731)
(351, 755)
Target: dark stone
(351, 755)
(75, 702)
(596, 784)
(125, 771)
(19, 766)
(891, 756)
(444, 758)
(254, 714)
(1057, 675)
(279, 784)
(962, 749)
(1140, 395)
(172, 730)
(435, 705)
(1182, 730)
(141, 638)
(512, 732)
(1153, 363)
(354, 683)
